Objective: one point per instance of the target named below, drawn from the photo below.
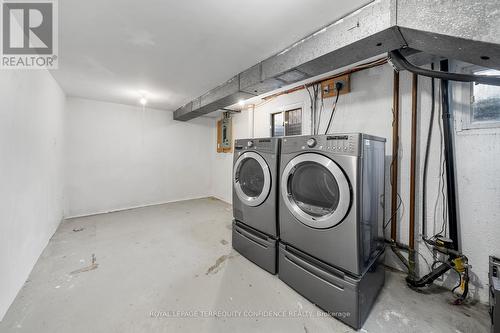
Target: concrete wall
(31, 173)
(368, 108)
(121, 157)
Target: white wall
(478, 186)
(31, 173)
(120, 157)
(368, 109)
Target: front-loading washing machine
(255, 200)
(331, 221)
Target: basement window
(484, 111)
(286, 123)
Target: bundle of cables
(338, 87)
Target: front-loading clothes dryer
(255, 200)
(332, 198)
(331, 220)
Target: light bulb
(143, 101)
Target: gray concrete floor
(178, 257)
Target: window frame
(272, 123)
(465, 100)
(283, 113)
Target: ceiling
(174, 51)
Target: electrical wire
(428, 246)
(313, 98)
(444, 203)
(320, 112)
(391, 167)
(442, 231)
(462, 278)
(400, 204)
(333, 112)
(316, 91)
(458, 284)
(441, 172)
(426, 159)
(312, 107)
(425, 260)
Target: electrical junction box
(328, 86)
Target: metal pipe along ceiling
(366, 33)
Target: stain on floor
(215, 267)
(91, 267)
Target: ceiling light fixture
(143, 101)
(241, 103)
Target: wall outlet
(328, 86)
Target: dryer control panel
(342, 143)
(346, 144)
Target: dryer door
(315, 190)
(251, 179)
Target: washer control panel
(269, 145)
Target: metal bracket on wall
(230, 111)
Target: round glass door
(315, 190)
(252, 179)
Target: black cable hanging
(338, 87)
(451, 191)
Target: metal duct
(468, 32)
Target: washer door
(251, 179)
(315, 190)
